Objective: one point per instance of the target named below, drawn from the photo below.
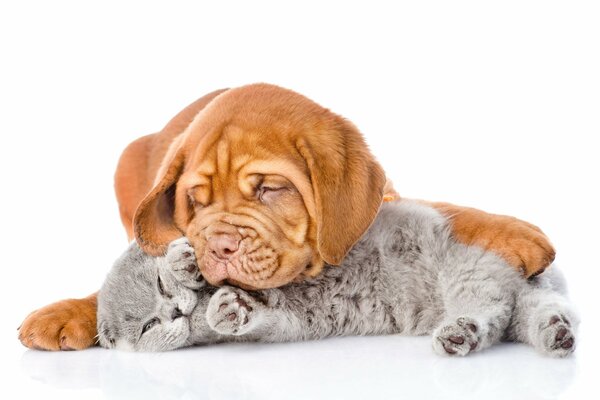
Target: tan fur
(140, 161)
(335, 184)
(266, 131)
(520, 243)
(64, 325)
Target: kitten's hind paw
(457, 338)
(232, 311)
(556, 336)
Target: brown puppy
(268, 186)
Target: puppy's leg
(544, 319)
(523, 245)
(65, 325)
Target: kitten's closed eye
(150, 324)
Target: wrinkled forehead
(237, 153)
(232, 147)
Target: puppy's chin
(234, 272)
(213, 271)
(255, 276)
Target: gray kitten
(406, 275)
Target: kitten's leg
(233, 311)
(477, 312)
(543, 319)
(181, 262)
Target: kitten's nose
(224, 245)
(176, 314)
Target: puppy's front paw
(231, 311)
(181, 260)
(456, 339)
(65, 325)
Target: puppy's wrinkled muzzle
(224, 245)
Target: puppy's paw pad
(456, 338)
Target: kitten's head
(142, 306)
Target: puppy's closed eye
(269, 188)
(270, 193)
(199, 196)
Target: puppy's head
(267, 186)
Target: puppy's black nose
(176, 314)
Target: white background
(489, 104)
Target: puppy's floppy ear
(154, 225)
(348, 185)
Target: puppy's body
(204, 176)
(406, 275)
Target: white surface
(494, 105)
(341, 368)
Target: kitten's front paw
(181, 259)
(456, 339)
(556, 336)
(231, 311)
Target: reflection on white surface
(358, 367)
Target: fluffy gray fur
(406, 275)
